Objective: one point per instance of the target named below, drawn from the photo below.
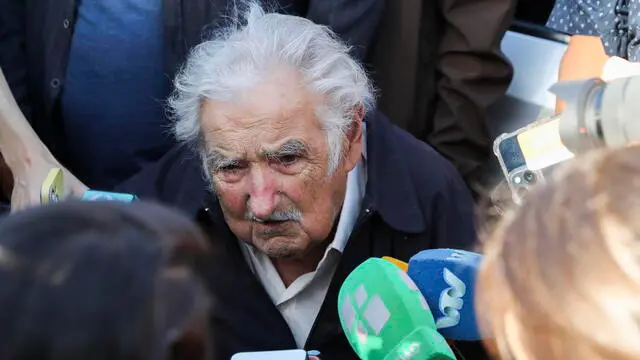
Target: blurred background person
(91, 77)
(600, 29)
(561, 277)
(102, 281)
(439, 67)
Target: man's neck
(291, 269)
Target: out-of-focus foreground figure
(561, 278)
(101, 281)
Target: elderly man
(304, 186)
(89, 76)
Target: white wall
(535, 62)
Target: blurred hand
(28, 178)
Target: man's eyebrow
(290, 147)
(217, 160)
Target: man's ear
(353, 144)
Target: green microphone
(385, 317)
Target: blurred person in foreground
(303, 181)
(102, 281)
(561, 275)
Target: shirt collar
(356, 186)
(364, 140)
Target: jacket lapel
(327, 330)
(242, 310)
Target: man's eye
(229, 168)
(288, 159)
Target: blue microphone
(446, 278)
(95, 195)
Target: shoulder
(176, 180)
(430, 172)
(437, 183)
(432, 187)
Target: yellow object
(542, 147)
(52, 187)
(401, 264)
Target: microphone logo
(410, 351)
(365, 316)
(457, 255)
(451, 300)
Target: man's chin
(273, 228)
(278, 247)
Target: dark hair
(96, 280)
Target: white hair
(245, 52)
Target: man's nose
(263, 194)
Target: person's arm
(355, 21)
(26, 157)
(16, 135)
(18, 141)
(473, 74)
(19, 144)
(13, 60)
(584, 58)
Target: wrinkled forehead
(221, 121)
(263, 117)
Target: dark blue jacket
(414, 200)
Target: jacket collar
(390, 187)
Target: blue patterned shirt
(616, 22)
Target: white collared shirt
(300, 303)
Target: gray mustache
(292, 214)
